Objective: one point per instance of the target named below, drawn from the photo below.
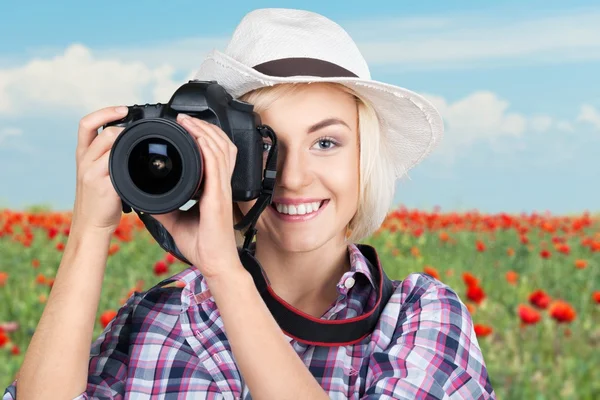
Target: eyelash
(331, 140)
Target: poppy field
(530, 281)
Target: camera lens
(155, 166)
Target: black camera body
(156, 166)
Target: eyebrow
(325, 123)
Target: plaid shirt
(169, 343)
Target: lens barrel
(156, 166)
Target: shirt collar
(196, 290)
(358, 265)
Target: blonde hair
(376, 178)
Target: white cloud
(590, 115)
(483, 117)
(565, 126)
(541, 123)
(78, 81)
(479, 115)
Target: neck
(305, 279)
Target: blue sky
(517, 84)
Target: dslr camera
(156, 166)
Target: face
(316, 192)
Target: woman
(343, 140)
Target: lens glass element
(155, 166)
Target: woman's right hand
(97, 204)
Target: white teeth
(299, 209)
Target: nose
(293, 171)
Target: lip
(298, 218)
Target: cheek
(343, 179)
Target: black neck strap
(296, 324)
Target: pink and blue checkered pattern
(169, 343)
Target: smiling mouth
(299, 209)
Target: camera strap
(296, 324)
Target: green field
(494, 263)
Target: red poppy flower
(540, 299)
(52, 232)
(528, 315)
(562, 311)
(596, 296)
(470, 279)
(431, 272)
(512, 277)
(545, 254)
(482, 330)
(480, 246)
(107, 316)
(160, 268)
(476, 294)
(471, 308)
(563, 248)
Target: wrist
(80, 230)
(79, 236)
(233, 276)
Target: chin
(294, 244)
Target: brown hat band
(285, 67)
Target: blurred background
(510, 196)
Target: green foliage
(543, 361)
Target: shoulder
(165, 297)
(427, 337)
(423, 310)
(417, 288)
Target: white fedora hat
(274, 45)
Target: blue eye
(326, 143)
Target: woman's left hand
(204, 234)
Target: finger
(99, 167)
(225, 151)
(225, 145)
(215, 186)
(89, 125)
(201, 127)
(230, 149)
(168, 220)
(201, 130)
(216, 133)
(224, 167)
(102, 144)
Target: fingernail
(182, 116)
(122, 110)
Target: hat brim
(411, 127)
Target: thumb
(168, 220)
(177, 217)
